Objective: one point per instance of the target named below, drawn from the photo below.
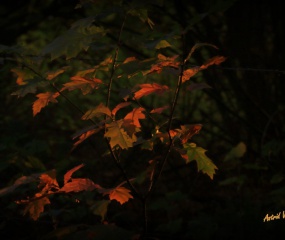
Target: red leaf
(135, 115)
(36, 207)
(78, 185)
(68, 175)
(188, 131)
(119, 106)
(213, 61)
(159, 110)
(149, 88)
(187, 74)
(43, 100)
(120, 194)
(85, 84)
(48, 181)
(163, 61)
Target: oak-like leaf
(118, 136)
(204, 163)
(43, 100)
(148, 88)
(82, 83)
(36, 207)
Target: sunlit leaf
(82, 83)
(68, 174)
(99, 110)
(48, 181)
(162, 44)
(204, 163)
(187, 74)
(53, 74)
(85, 135)
(43, 100)
(78, 185)
(36, 207)
(23, 74)
(213, 61)
(188, 131)
(135, 115)
(120, 106)
(119, 193)
(118, 136)
(148, 88)
(159, 110)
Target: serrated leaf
(100, 208)
(120, 194)
(204, 163)
(99, 110)
(148, 88)
(43, 100)
(162, 44)
(36, 207)
(135, 115)
(82, 83)
(78, 185)
(118, 136)
(68, 174)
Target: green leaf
(162, 44)
(118, 136)
(237, 152)
(204, 163)
(73, 41)
(100, 208)
(99, 110)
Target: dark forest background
(244, 107)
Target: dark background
(245, 104)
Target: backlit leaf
(119, 106)
(53, 74)
(120, 194)
(118, 136)
(85, 135)
(82, 83)
(187, 74)
(48, 181)
(36, 207)
(188, 131)
(68, 174)
(99, 110)
(213, 61)
(78, 185)
(204, 163)
(43, 100)
(148, 88)
(162, 62)
(135, 115)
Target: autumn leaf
(195, 47)
(68, 174)
(99, 110)
(53, 74)
(161, 63)
(188, 131)
(213, 61)
(78, 185)
(148, 88)
(82, 83)
(187, 74)
(135, 115)
(118, 136)
(119, 193)
(159, 110)
(120, 106)
(48, 181)
(36, 207)
(85, 135)
(204, 163)
(43, 100)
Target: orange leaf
(187, 74)
(84, 136)
(159, 110)
(213, 61)
(188, 131)
(78, 185)
(135, 115)
(85, 84)
(99, 110)
(43, 100)
(119, 106)
(48, 181)
(120, 194)
(148, 88)
(35, 208)
(163, 61)
(68, 175)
